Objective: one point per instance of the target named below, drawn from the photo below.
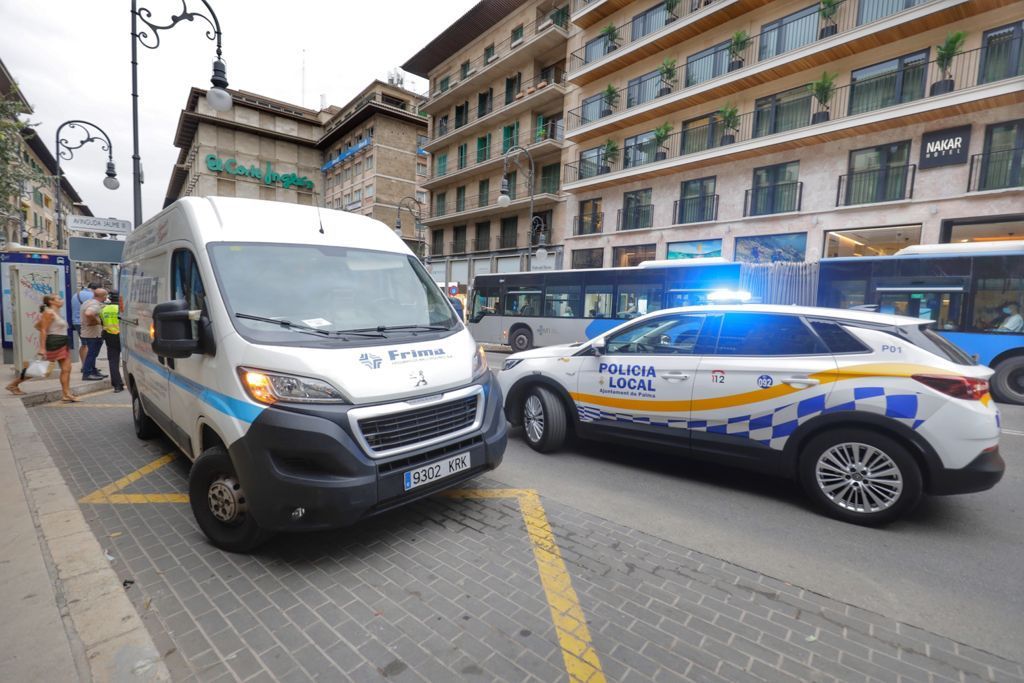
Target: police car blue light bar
(722, 296)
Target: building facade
(497, 85)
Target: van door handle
(675, 376)
(801, 381)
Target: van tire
(214, 483)
(1008, 382)
(145, 428)
(521, 339)
(878, 450)
(543, 420)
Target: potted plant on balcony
(668, 76)
(670, 10)
(737, 45)
(827, 10)
(661, 136)
(729, 117)
(823, 89)
(611, 35)
(609, 155)
(530, 89)
(610, 97)
(944, 56)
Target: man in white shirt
(1013, 322)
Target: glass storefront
(870, 241)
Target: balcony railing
(695, 209)
(506, 241)
(633, 31)
(635, 217)
(458, 247)
(996, 170)
(437, 249)
(769, 199)
(504, 100)
(780, 39)
(482, 244)
(914, 82)
(588, 223)
(552, 130)
(888, 184)
(479, 201)
(558, 17)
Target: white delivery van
(305, 361)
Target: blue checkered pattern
(772, 426)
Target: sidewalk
(39, 391)
(68, 617)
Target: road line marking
(581, 660)
(109, 493)
(1013, 432)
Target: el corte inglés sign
(268, 175)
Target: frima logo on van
(415, 355)
(370, 360)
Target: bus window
(997, 304)
(522, 301)
(686, 297)
(597, 303)
(486, 301)
(942, 307)
(561, 301)
(637, 300)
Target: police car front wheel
(861, 478)
(543, 420)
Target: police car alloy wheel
(219, 504)
(543, 420)
(860, 477)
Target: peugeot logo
(418, 379)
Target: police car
(867, 411)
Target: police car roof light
(721, 296)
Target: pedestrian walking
(112, 340)
(76, 315)
(54, 344)
(92, 334)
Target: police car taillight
(967, 388)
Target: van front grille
(396, 430)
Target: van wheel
(1008, 382)
(219, 504)
(521, 339)
(145, 428)
(543, 420)
(860, 477)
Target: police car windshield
(332, 289)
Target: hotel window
(643, 88)
(590, 219)
(442, 126)
(462, 154)
(346, 199)
(509, 232)
(638, 150)
(697, 201)
(512, 177)
(700, 134)
(878, 174)
(1002, 163)
(1002, 53)
(517, 34)
(776, 189)
(357, 196)
(549, 177)
(483, 192)
(439, 204)
(483, 148)
(707, 64)
(627, 257)
(782, 111)
(421, 168)
(509, 137)
(369, 190)
(591, 161)
(488, 53)
(788, 33)
(482, 241)
(460, 198)
(443, 84)
(459, 239)
(888, 83)
(484, 102)
(591, 108)
(465, 70)
(595, 49)
(648, 21)
(873, 10)
(421, 196)
(369, 162)
(441, 164)
(637, 210)
(359, 169)
(588, 258)
(437, 242)
(461, 114)
(346, 173)
(421, 140)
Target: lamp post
(217, 97)
(420, 227)
(66, 150)
(537, 227)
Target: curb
(102, 625)
(84, 389)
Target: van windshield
(311, 294)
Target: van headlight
(479, 363)
(273, 387)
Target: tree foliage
(17, 176)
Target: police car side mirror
(172, 330)
(598, 346)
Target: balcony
(770, 199)
(913, 95)
(586, 13)
(482, 244)
(697, 209)
(660, 30)
(588, 224)
(635, 217)
(507, 241)
(364, 108)
(479, 205)
(539, 141)
(811, 42)
(535, 94)
(999, 170)
(539, 37)
(888, 184)
(457, 247)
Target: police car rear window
(836, 338)
(930, 340)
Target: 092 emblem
(765, 381)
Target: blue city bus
(973, 292)
(565, 306)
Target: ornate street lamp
(64, 149)
(217, 97)
(537, 226)
(419, 225)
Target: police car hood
(556, 351)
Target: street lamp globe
(504, 199)
(111, 182)
(218, 97)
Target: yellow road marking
(109, 493)
(581, 660)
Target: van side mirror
(598, 346)
(172, 330)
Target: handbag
(37, 368)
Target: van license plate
(435, 471)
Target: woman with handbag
(53, 345)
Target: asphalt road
(954, 566)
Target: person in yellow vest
(112, 338)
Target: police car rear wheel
(145, 428)
(543, 420)
(219, 503)
(861, 478)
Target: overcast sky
(72, 59)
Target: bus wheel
(219, 503)
(1008, 382)
(543, 420)
(521, 339)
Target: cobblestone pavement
(458, 588)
